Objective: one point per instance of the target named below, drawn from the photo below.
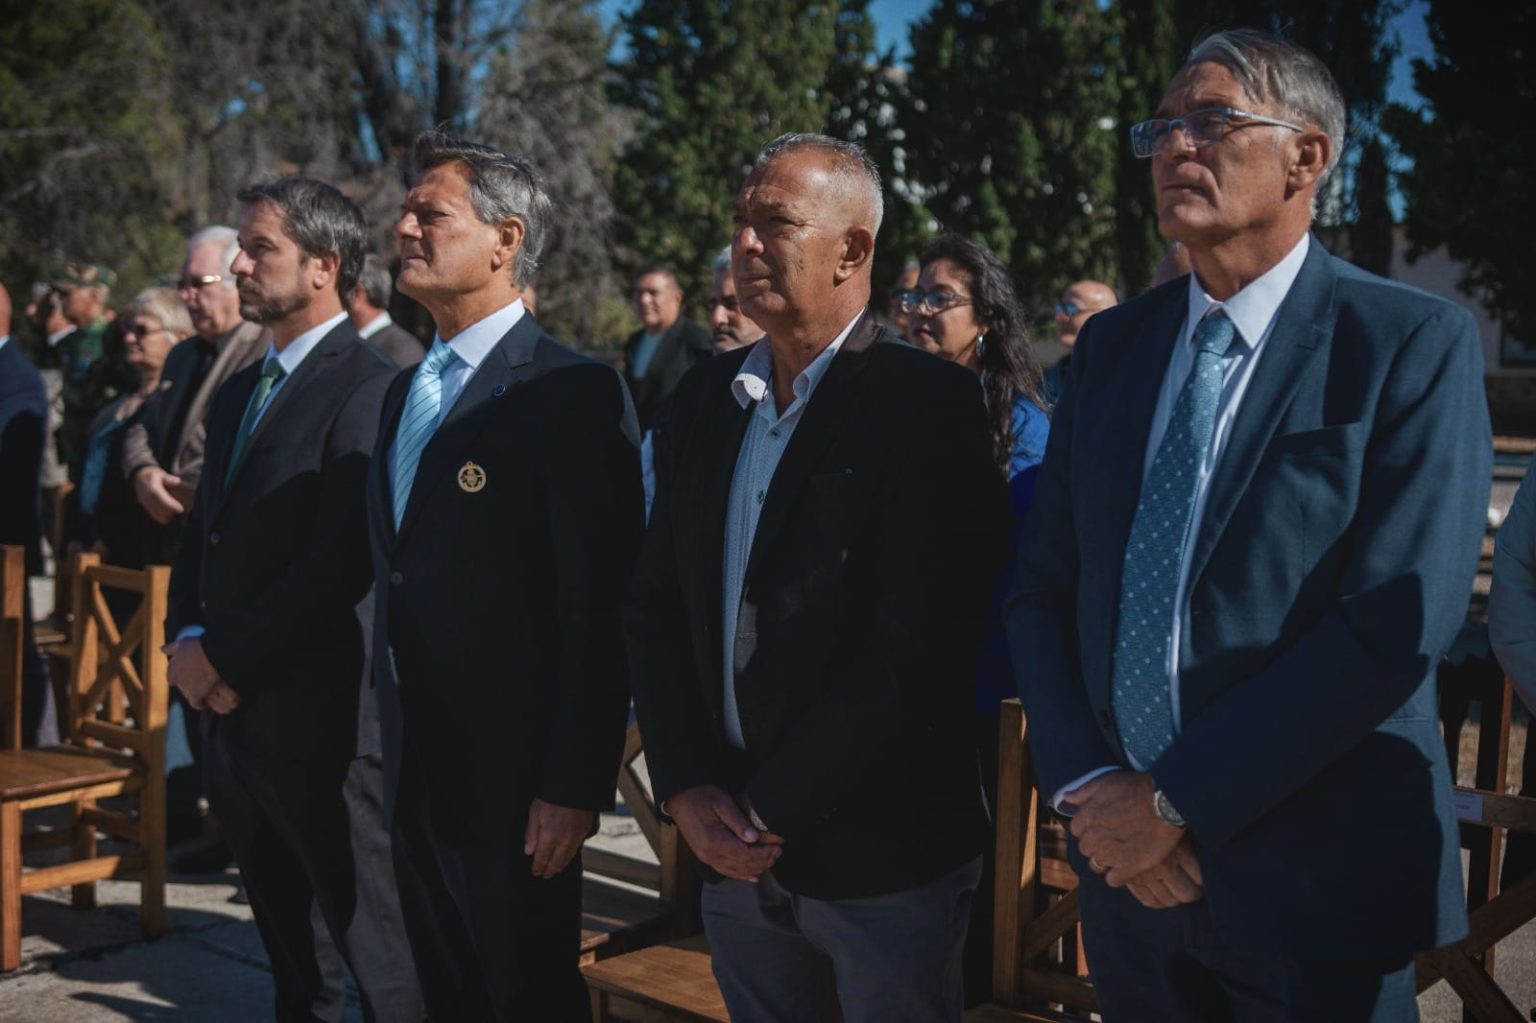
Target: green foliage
(1471, 149)
(1015, 134)
(710, 83)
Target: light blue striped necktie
(423, 407)
(1154, 555)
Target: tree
(1471, 147)
(709, 83)
(1150, 51)
(1017, 105)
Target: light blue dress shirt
(768, 434)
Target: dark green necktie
(271, 372)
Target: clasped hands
(1124, 839)
(718, 828)
(192, 673)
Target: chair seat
(29, 773)
(675, 977)
(613, 914)
(1002, 1014)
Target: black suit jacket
(23, 419)
(880, 540)
(273, 565)
(684, 345)
(497, 649)
(398, 345)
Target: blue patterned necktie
(271, 372)
(1154, 555)
(423, 406)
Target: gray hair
(501, 188)
(1275, 70)
(320, 220)
(722, 261)
(166, 306)
(375, 280)
(228, 239)
(850, 162)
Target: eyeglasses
(1068, 308)
(199, 282)
(931, 302)
(1201, 128)
(730, 303)
(143, 330)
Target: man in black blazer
(272, 563)
(805, 621)
(1253, 538)
(23, 425)
(504, 511)
(368, 307)
(665, 348)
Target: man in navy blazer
(504, 514)
(1254, 534)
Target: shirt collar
(474, 342)
(1253, 308)
(59, 335)
(755, 377)
(290, 357)
(374, 325)
(4, 338)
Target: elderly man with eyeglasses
(163, 448)
(1253, 537)
(1081, 300)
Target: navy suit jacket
(1331, 570)
(23, 413)
(497, 655)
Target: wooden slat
(115, 824)
(115, 736)
(1058, 875)
(1049, 927)
(1058, 987)
(621, 868)
(1488, 925)
(70, 795)
(675, 977)
(1478, 992)
(10, 886)
(131, 579)
(35, 772)
(1495, 809)
(1017, 814)
(43, 879)
(13, 581)
(639, 803)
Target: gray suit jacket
(237, 350)
(397, 344)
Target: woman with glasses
(111, 520)
(965, 309)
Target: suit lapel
(717, 465)
(824, 415)
(504, 366)
(1302, 325)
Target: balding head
(1080, 301)
(804, 239)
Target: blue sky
(893, 18)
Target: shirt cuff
(194, 631)
(1072, 786)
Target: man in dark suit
(272, 563)
(368, 307)
(504, 511)
(1253, 536)
(23, 422)
(666, 346)
(806, 617)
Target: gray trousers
(783, 958)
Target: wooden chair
(115, 746)
(1035, 958)
(13, 581)
(628, 903)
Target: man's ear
(858, 250)
(509, 242)
(1313, 150)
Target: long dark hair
(1008, 367)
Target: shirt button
(760, 495)
(213, 538)
(774, 434)
(396, 578)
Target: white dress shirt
(470, 347)
(1252, 311)
(768, 434)
(374, 325)
(4, 339)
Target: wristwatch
(1166, 811)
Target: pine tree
(710, 84)
(1016, 107)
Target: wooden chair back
(13, 581)
(118, 690)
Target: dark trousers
(34, 680)
(784, 958)
(1169, 966)
(312, 837)
(492, 943)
